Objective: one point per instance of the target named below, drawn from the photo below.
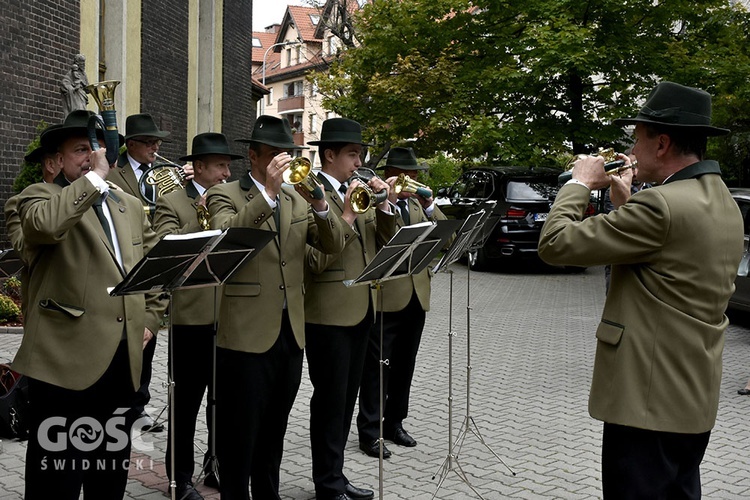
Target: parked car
(741, 298)
(524, 196)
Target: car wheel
(477, 260)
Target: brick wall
(164, 70)
(238, 115)
(37, 42)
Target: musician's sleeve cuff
(99, 183)
(576, 181)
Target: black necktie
(277, 214)
(147, 188)
(404, 206)
(342, 190)
(103, 219)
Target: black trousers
(191, 360)
(143, 395)
(642, 464)
(81, 439)
(254, 395)
(402, 333)
(335, 356)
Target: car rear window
(530, 191)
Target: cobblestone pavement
(532, 346)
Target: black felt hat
(210, 143)
(674, 105)
(272, 131)
(37, 155)
(341, 131)
(403, 159)
(142, 124)
(75, 124)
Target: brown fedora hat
(210, 143)
(37, 155)
(142, 124)
(677, 106)
(272, 131)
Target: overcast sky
(267, 12)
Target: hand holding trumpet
(591, 170)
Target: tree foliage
(528, 82)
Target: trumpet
(406, 184)
(363, 198)
(300, 172)
(612, 165)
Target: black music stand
(192, 260)
(410, 250)
(472, 235)
(10, 263)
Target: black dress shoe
(744, 392)
(401, 438)
(186, 491)
(341, 496)
(148, 424)
(372, 449)
(358, 493)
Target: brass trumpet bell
(406, 184)
(300, 172)
(363, 198)
(104, 95)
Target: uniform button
(281, 287)
(263, 214)
(119, 319)
(346, 236)
(283, 262)
(75, 202)
(84, 195)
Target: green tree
(528, 82)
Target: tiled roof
(302, 21)
(266, 40)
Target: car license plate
(540, 217)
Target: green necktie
(404, 206)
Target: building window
(299, 54)
(293, 89)
(256, 42)
(314, 19)
(269, 97)
(288, 57)
(313, 123)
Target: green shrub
(9, 311)
(30, 173)
(12, 288)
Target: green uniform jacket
(253, 298)
(397, 292)
(176, 214)
(674, 251)
(328, 300)
(74, 326)
(125, 178)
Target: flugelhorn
(363, 198)
(405, 184)
(104, 95)
(300, 172)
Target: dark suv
(524, 196)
